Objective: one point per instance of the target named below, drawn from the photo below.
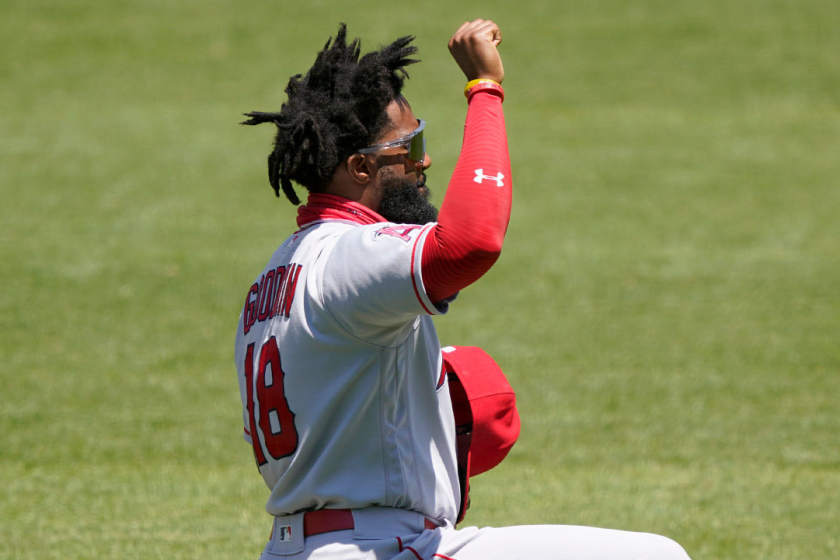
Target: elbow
(487, 254)
(492, 246)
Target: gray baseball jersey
(340, 374)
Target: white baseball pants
(388, 534)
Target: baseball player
(345, 393)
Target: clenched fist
(474, 48)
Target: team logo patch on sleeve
(403, 233)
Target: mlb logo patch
(284, 533)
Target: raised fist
(474, 48)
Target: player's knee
(666, 549)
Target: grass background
(667, 306)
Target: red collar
(331, 207)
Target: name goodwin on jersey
(272, 295)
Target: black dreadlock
(333, 111)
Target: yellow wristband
(484, 85)
(473, 83)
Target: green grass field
(667, 306)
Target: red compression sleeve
(475, 212)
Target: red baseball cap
(484, 404)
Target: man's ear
(361, 168)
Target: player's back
(340, 377)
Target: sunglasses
(415, 142)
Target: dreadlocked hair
(337, 108)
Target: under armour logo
(480, 176)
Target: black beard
(406, 202)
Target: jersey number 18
(269, 408)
